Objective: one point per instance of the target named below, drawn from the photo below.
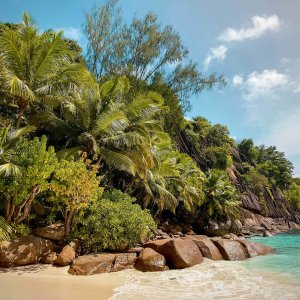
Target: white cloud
(237, 80)
(261, 25)
(71, 33)
(263, 84)
(217, 53)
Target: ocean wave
(209, 280)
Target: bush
(74, 185)
(37, 163)
(113, 225)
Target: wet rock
(150, 261)
(92, 264)
(55, 232)
(267, 233)
(206, 246)
(230, 236)
(230, 250)
(255, 249)
(24, 251)
(65, 257)
(124, 261)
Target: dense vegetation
(100, 142)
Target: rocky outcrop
(65, 257)
(102, 263)
(151, 261)
(92, 264)
(49, 258)
(124, 261)
(230, 250)
(24, 251)
(206, 246)
(254, 249)
(179, 253)
(55, 232)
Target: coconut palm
(8, 139)
(38, 68)
(109, 126)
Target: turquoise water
(288, 258)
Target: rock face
(65, 257)
(24, 251)
(254, 249)
(124, 261)
(92, 264)
(206, 246)
(179, 253)
(49, 258)
(230, 250)
(55, 232)
(151, 261)
(102, 263)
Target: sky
(254, 44)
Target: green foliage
(221, 197)
(248, 152)
(113, 225)
(293, 192)
(5, 230)
(274, 166)
(217, 157)
(8, 140)
(37, 163)
(253, 179)
(74, 185)
(38, 68)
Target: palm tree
(106, 124)
(8, 139)
(5, 230)
(38, 68)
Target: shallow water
(269, 277)
(288, 258)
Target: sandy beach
(51, 283)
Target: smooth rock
(230, 250)
(124, 261)
(55, 232)
(256, 249)
(150, 261)
(24, 251)
(65, 257)
(179, 253)
(206, 246)
(92, 264)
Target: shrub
(113, 225)
(37, 163)
(73, 187)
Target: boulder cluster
(158, 255)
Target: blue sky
(254, 44)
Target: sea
(275, 276)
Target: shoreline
(54, 283)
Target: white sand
(43, 282)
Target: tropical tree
(143, 50)
(8, 139)
(38, 68)
(111, 128)
(221, 201)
